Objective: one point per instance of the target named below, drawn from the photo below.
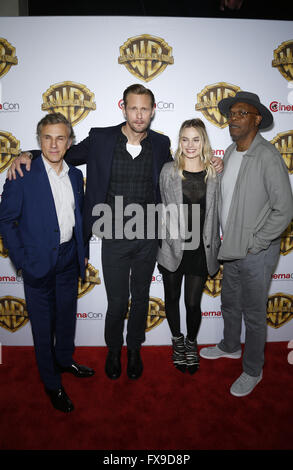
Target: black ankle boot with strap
(192, 356)
(178, 356)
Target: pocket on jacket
(256, 244)
(262, 217)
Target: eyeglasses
(239, 114)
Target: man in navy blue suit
(41, 224)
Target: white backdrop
(204, 60)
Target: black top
(194, 192)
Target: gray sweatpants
(245, 288)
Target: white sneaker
(244, 385)
(214, 352)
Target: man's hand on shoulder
(218, 164)
(23, 158)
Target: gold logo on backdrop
(91, 280)
(208, 99)
(7, 56)
(279, 309)
(287, 240)
(213, 284)
(283, 59)
(284, 143)
(73, 100)
(156, 313)
(145, 56)
(9, 148)
(13, 313)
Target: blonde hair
(206, 151)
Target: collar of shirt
(63, 172)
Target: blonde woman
(190, 179)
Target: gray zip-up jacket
(262, 202)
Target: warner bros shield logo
(145, 56)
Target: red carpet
(163, 410)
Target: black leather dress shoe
(134, 365)
(113, 364)
(78, 370)
(60, 400)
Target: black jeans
(128, 266)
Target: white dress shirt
(63, 198)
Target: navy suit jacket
(97, 152)
(29, 224)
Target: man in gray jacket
(256, 206)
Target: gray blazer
(171, 251)
(262, 202)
